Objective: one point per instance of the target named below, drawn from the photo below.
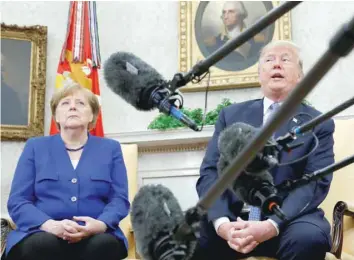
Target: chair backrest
(342, 186)
(130, 156)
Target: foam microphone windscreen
(132, 79)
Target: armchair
(338, 206)
(339, 203)
(130, 155)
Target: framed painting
(23, 79)
(204, 26)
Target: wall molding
(170, 172)
(189, 147)
(176, 140)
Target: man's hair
(70, 90)
(284, 43)
(239, 7)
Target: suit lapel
(254, 117)
(254, 114)
(62, 160)
(61, 157)
(293, 121)
(88, 152)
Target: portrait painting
(206, 26)
(23, 62)
(15, 81)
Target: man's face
(279, 70)
(229, 15)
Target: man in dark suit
(233, 231)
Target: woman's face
(74, 111)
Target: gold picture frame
(23, 80)
(199, 37)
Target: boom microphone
(255, 186)
(142, 86)
(340, 45)
(308, 126)
(203, 66)
(156, 215)
(235, 137)
(320, 119)
(289, 185)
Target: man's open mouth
(277, 76)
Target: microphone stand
(180, 80)
(284, 140)
(340, 45)
(293, 184)
(318, 120)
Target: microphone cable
(309, 153)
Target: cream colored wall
(150, 31)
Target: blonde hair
(284, 43)
(70, 90)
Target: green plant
(164, 122)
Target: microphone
(318, 120)
(156, 216)
(203, 66)
(340, 45)
(142, 86)
(235, 137)
(255, 186)
(308, 126)
(289, 185)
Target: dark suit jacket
(251, 112)
(43, 186)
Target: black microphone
(289, 185)
(320, 119)
(203, 66)
(142, 86)
(156, 216)
(255, 186)
(235, 137)
(286, 139)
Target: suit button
(74, 180)
(73, 199)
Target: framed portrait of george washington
(23, 79)
(205, 26)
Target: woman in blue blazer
(70, 190)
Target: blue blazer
(251, 112)
(46, 186)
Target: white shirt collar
(234, 32)
(267, 103)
